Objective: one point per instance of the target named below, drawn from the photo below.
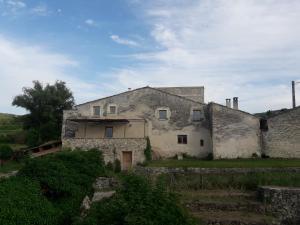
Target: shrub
(264, 156)
(110, 166)
(209, 156)
(117, 166)
(21, 202)
(138, 202)
(6, 153)
(66, 178)
(148, 151)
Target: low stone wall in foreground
(165, 170)
(284, 203)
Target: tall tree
(45, 105)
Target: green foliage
(6, 153)
(148, 151)
(46, 105)
(209, 157)
(21, 203)
(117, 166)
(66, 178)
(138, 202)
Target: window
(112, 109)
(264, 125)
(196, 115)
(108, 132)
(182, 139)
(201, 142)
(163, 114)
(96, 110)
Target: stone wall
(235, 134)
(206, 171)
(282, 140)
(144, 103)
(193, 93)
(111, 148)
(284, 203)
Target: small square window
(108, 132)
(201, 142)
(96, 110)
(196, 115)
(182, 139)
(163, 114)
(112, 109)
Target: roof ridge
(233, 109)
(156, 89)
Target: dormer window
(163, 115)
(96, 110)
(112, 109)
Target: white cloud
(40, 10)
(16, 4)
(90, 22)
(20, 64)
(249, 49)
(123, 41)
(11, 7)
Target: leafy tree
(45, 105)
(6, 153)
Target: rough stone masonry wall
(144, 104)
(282, 140)
(111, 148)
(235, 134)
(284, 202)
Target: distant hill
(9, 123)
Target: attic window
(163, 114)
(112, 109)
(264, 125)
(96, 110)
(196, 115)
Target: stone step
(233, 218)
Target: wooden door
(127, 160)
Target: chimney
(235, 103)
(228, 102)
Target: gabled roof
(138, 89)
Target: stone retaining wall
(284, 202)
(165, 170)
(111, 148)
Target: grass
(229, 163)
(10, 166)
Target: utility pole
(293, 94)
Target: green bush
(6, 153)
(117, 166)
(138, 202)
(66, 178)
(22, 203)
(148, 151)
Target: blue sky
(249, 49)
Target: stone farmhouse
(177, 121)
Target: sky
(249, 49)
